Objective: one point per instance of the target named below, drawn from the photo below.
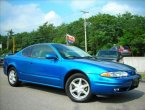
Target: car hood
(106, 59)
(109, 66)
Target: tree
(103, 30)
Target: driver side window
(40, 51)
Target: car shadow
(120, 98)
(117, 98)
(44, 88)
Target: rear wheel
(78, 88)
(13, 77)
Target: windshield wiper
(75, 57)
(86, 57)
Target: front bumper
(103, 85)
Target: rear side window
(126, 47)
(27, 51)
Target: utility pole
(84, 12)
(9, 35)
(13, 44)
(8, 41)
(1, 46)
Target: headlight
(115, 74)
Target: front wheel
(78, 88)
(13, 77)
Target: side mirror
(51, 56)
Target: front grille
(123, 89)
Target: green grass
(143, 75)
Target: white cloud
(114, 8)
(82, 4)
(22, 18)
(53, 18)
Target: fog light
(116, 89)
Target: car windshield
(71, 51)
(113, 54)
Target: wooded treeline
(103, 30)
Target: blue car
(69, 68)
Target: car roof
(108, 50)
(46, 44)
(37, 44)
(43, 44)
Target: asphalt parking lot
(36, 97)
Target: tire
(77, 88)
(13, 77)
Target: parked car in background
(3, 56)
(109, 55)
(71, 69)
(2, 59)
(124, 50)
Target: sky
(28, 15)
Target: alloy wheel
(79, 88)
(12, 77)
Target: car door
(42, 70)
(23, 63)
